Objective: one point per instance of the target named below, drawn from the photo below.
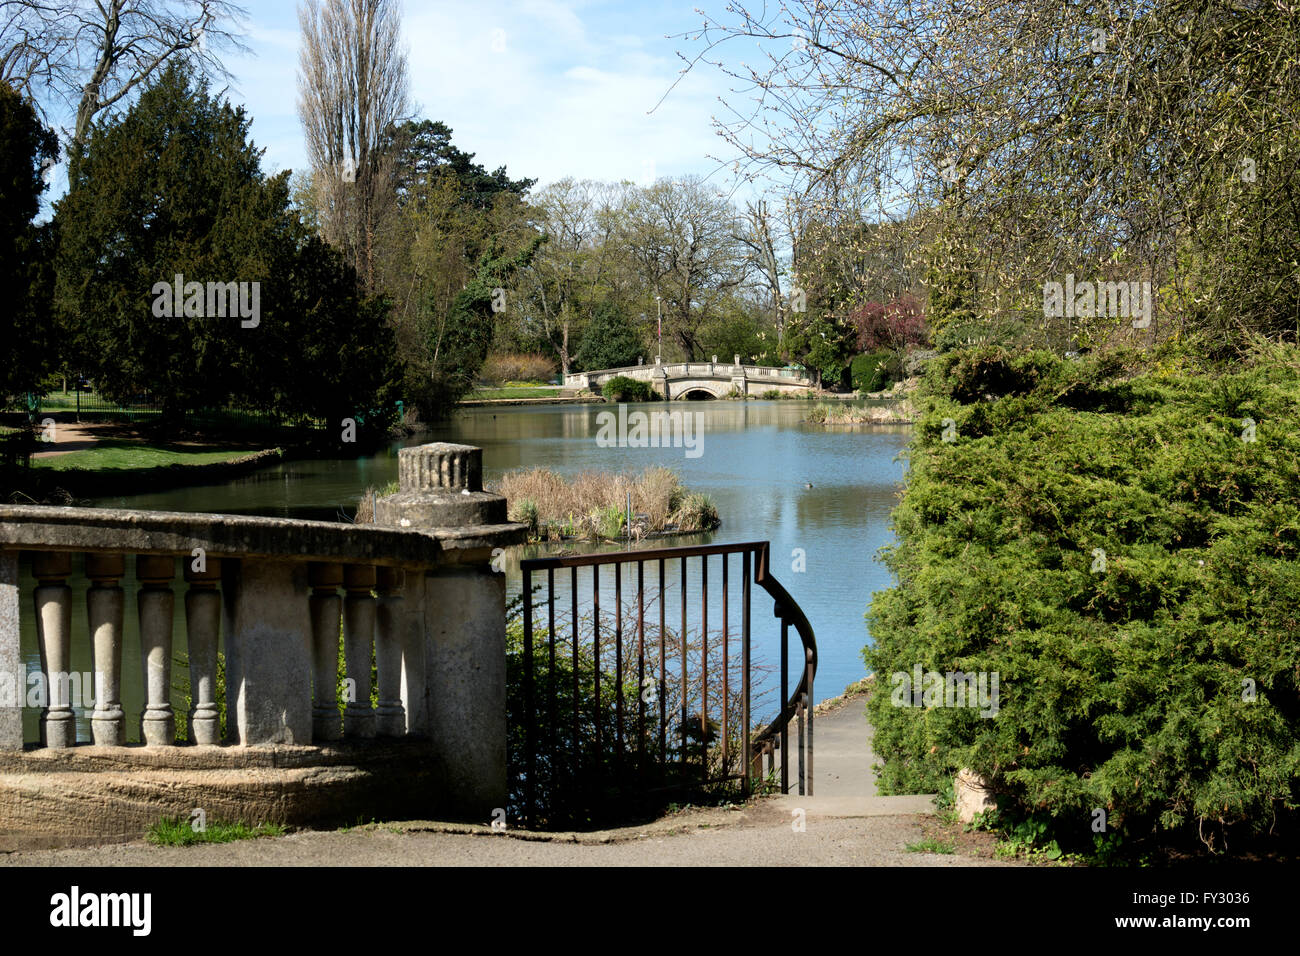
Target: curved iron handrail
(797, 707)
(789, 612)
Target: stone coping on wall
(44, 528)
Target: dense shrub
(499, 368)
(874, 371)
(620, 388)
(1157, 681)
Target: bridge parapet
(419, 600)
(674, 373)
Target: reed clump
(594, 504)
(897, 413)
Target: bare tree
(96, 53)
(683, 237)
(580, 263)
(352, 86)
(761, 238)
(1023, 140)
(32, 51)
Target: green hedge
(1124, 688)
(875, 371)
(620, 388)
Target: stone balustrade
(675, 373)
(416, 590)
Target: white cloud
(562, 100)
(576, 90)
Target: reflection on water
(756, 463)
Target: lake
(754, 459)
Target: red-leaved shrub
(894, 325)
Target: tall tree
(449, 213)
(575, 269)
(175, 188)
(25, 249)
(760, 237)
(610, 340)
(422, 151)
(459, 343)
(352, 87)
(683, 237)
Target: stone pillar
(739, 380)
(660, 374)
(441, 486)
(13, 676)
(325, 610)
(156, 605)
(268, 651)
(390, 717)
(466, 677)
(203, 628)
(54, 637)
(358, 640)
(105, 604)
(463, 605)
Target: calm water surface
(756, 460)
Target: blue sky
(547, 87)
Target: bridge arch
(695, 392)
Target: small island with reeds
(894, 413)
(594, 505)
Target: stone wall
(418, 587)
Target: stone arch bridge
(700, 380)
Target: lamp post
(660, 303)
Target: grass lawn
(177, 832)
(515, 391)
(120, 455)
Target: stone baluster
(325, 609)
(202, 629)
(390, 717)
(358, 639)
(13, 679)
(104, 612)
(54, 636)
(156, 604)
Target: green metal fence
(93, 406)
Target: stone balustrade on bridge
(713, 379)
(414, 596)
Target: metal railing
(90, 406)
(637, 714)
